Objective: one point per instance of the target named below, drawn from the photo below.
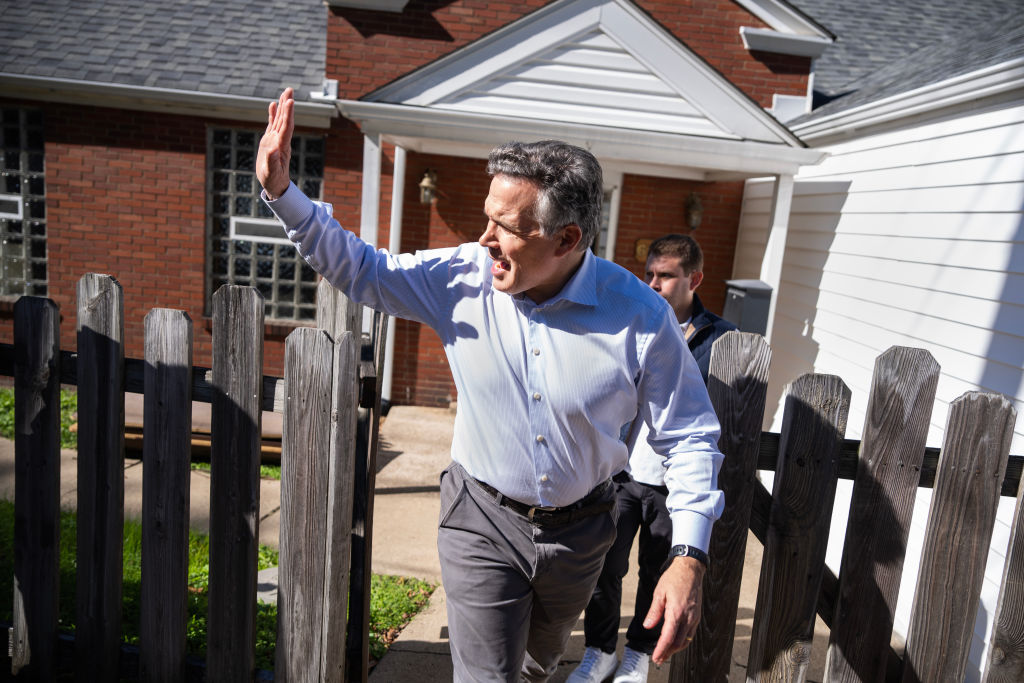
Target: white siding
(912, 238)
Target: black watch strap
(688, 551)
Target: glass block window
(22, 203)
(246, 244)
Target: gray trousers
(514, 588)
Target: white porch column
(615, 178)
(394, 246)
(775, 249)
(369, 213)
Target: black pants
(640, 507)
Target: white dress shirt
(544, 390)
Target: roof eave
(968, 88)
(767, 40)
(477, 133)
(164, 100)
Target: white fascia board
(709, 92)
(165, 100)
(395, 121)
(988, 82)
(379, 5)
(784, 18)
(768, 40)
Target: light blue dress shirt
(543, 389)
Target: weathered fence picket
(340, 492)
(963, 510)
(738, 384)
(888, 471)
(166, 457)
(813, 426)
(236, 423)
(305, 465)
(100, 476)
(1006, 655)
(36, 487)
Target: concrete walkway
(415, 446)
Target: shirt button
(536, 396)
(540, 438)
(536, 352)
(543, 477)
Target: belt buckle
(529, 514)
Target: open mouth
(499, 264)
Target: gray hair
(569, 178)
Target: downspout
(775, 249)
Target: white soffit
(785, 18)
(589, 63)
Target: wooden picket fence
(331, 375)
(330, 397)
(888, 465)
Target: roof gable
(589, 62)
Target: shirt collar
(582, 286)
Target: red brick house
(129, 132)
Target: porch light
(428, 187)
(694, 211)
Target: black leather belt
(588, 505)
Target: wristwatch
(688, 551)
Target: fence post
(813, 426)
(236, 416)
(100, 477)
(166, 456)
(970, 474)
(1006, 655)
(888, 470)
(341, 479)
(737, 385)
(309, 356)
(36, 487)
(367, 436)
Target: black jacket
(707, 328)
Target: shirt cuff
(292, 207)
(691, 528)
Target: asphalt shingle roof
(231, 47)
(988, 44)
(872, 34)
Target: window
(247, 246)
(22, 203)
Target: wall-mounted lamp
(428, 188)
(694, 211)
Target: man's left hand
(677, 599)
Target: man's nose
(487, 238)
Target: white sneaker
(595, 666)
(633, 668)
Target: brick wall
(652, 207)
(126, 197)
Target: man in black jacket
(674, 269)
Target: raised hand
(274, 156)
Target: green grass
(394, 600)
(68, 408)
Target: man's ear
(696, 279)
(568, 239)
